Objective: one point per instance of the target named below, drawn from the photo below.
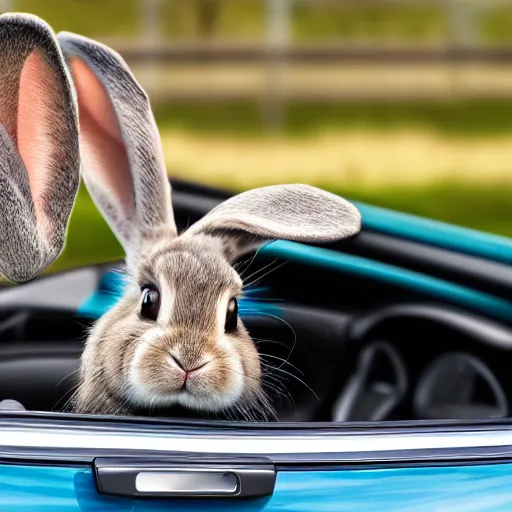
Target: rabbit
(39, 147)
(174, 338)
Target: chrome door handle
(186, 477)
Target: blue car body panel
(440, 234)
(428, 285)
(461, 488)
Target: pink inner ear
(103, 149)
(38, 108)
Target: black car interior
(344, 347)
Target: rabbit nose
(187, 371)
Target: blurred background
(405, 104)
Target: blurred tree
(207, 17)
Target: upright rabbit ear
(39, 150)
(290, 212)
(123, 163)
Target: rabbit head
(175, 336)
(39, 147)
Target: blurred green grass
(416, 22)
(246, 19)
(449, 118)
(92, 18)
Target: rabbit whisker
(246, 268)
(65, 377)
(284, 361)
(270, 342)
(291, 328)
(71, 393)
(250, 276)
(259, 278)
(298, 380)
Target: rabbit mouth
(191, 400)
(161, 375)
(200, 390)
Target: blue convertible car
(394, 352)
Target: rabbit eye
(150, 303)
(231, 316)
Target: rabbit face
(174, 339)
(194, 351)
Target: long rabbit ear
(291, 212)
(123, 163)
(39, 149)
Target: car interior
(345, 343)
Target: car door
(69, 464)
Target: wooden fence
(223, 72)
